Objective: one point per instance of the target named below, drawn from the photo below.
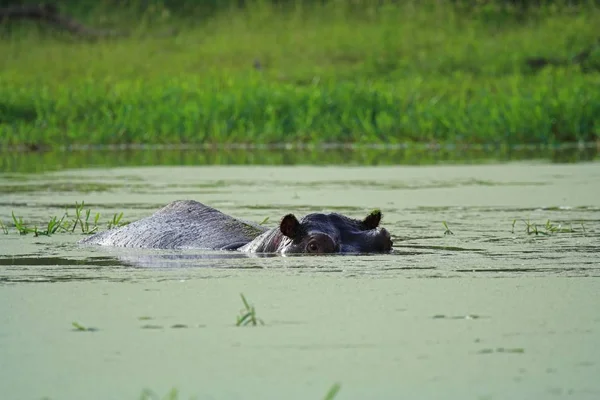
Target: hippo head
(333, 233)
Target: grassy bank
(333, 73)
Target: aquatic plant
(116, 221)
(248, 315)
(447, 231)
(553, 228)
(84, 224)
(80, 328)
(54, 225)
(549, 228)
(65, 225)
(332, 392)
(20, 225)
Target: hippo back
(181, 224)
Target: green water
(488, 312)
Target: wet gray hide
(181, 224)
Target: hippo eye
(312, 247)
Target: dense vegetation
(260, 72)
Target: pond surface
(488, 312)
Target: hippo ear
(371, 221)
(290, 226)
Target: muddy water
(488, 312)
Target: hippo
(188, 224)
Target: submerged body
(189, 224)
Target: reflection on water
(26, 162)
(41, 261)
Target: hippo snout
(386, 240)
(383, 241)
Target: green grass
(447, 231)
(415, 72)
(82, 219)
(4, 228)
(549, 228)
(80, 328)
(332, 392)
(247, 315)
